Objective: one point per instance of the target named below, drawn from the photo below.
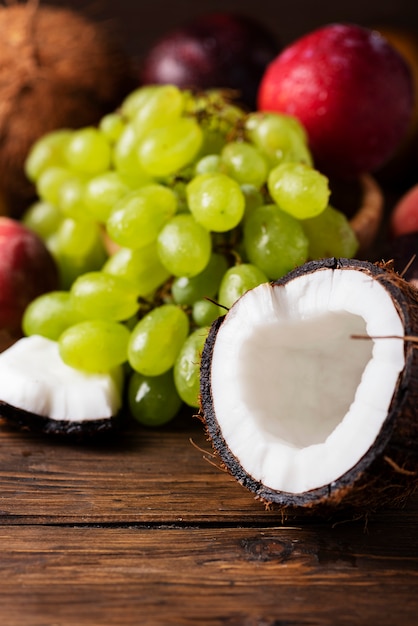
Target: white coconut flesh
(34, 378)
(299, 400)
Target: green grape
(71, 267)
(280, 137)
(187, 367)
(46, 152)
(298, 189)
(205, 312)
(274, 241)
(244, 163)
(231, 116)
(179, 188)
(166, 149)
(157, 339)
(153, 400)
(159, 107)
(135, 100)
(212, 143)
(137, 181)
(49, 315)
(71, 198)
(88, 151)
(76, 237)
(330, 235)
(216, 201)
(94, 345)
(184, 246)
(102, 192)
(299, 152)
(218, 117)
(139, 216)
(187, 289)
(141, 267)
(112, 126)
(50, 182)
(253, 199)
(104, 296)
(43, 218)
(208, 164)
(219, 121)
(237, 280)
(125, 159)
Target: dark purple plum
(216, 50)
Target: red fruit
(219, 50)
(351, 90)
(404, 216)
(27, 270)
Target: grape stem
(222, 306)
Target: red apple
(27, 270)
(216, 50)
(351, 90)
(404, 215)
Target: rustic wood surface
(146, 530)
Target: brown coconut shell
(388, 473)
(62, 429)
(58, 69)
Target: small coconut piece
(38, 391)
(58, 69)
(309, 388)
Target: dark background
(138, 23)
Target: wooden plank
(146, 476)
(144, 530)
(183, 576)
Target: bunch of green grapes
(160, 218)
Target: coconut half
(309, 387)
(38, 391)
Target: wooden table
(147, 530)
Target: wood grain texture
(288, 575)
(144, 476)
(144, 530)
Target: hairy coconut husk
(387, 474)
(58, 69)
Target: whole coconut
(57, 69)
